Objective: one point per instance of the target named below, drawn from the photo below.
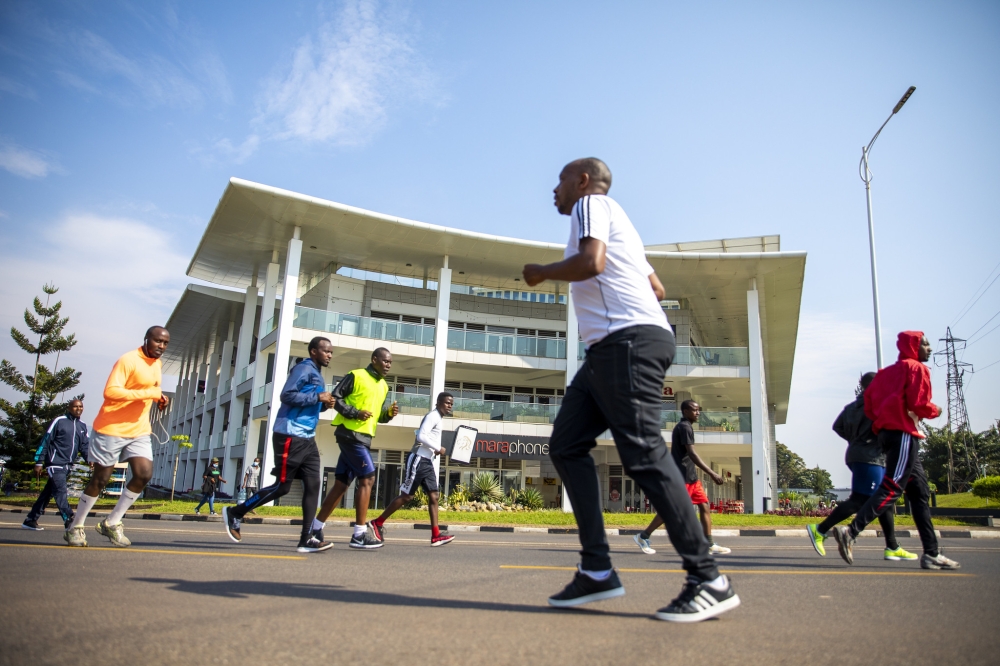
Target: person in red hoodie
(895, 401)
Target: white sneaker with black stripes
(699, 601)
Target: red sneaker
(441, 539)
(377, 532)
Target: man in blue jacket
(65, 439)
(296, 455)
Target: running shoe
(115, 533)
(845, 543)
(938, 562)
(376, 532)
(699, 601)
(232, 524)
(817, 539)
(899, 554)
(584, 589)
(441, 539)
(30, 524)
(716, 549)
(76, 536)
(313, 545)
(366, 541)
(644, 545)
(319, 534)
(67, 522)
(197, 512)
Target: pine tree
(23, 423)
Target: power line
(983, 335)
(973, 334)
(966, 308)
(989, 366)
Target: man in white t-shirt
(420, 471)
(630, 345)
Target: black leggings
(849, 507)
(295, 458)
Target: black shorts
(295, 457)
(418, 471)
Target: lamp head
(902, 100)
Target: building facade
(450, 306)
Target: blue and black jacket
(65, 439)
(300, 405)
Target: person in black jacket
(65, 439)
(866, 460)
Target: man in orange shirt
(121, 432)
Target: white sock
(596, 575)
(317, 525)
(82, 509)
(124, 502)
(719, 584)
(360, 529)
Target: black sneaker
(845, 543)
(30, 524)
(313, 545)
(584, 589)
(365, 540)
(319, 534)
(232, 524)
(699, 601)
(377, 532)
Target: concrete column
(441, 331)
(572, 339)
(283, 343)
(260, 367)
(761, 484)
(178, 398)
(245, 340)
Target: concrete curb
(612, 531)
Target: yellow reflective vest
(368, 395)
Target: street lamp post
(866, 176)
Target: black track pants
(903, 473)
(55, 486)
(619, 387)
(850, 506)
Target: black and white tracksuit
(65, 439)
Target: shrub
(420, 499)
(987, 487)
(459, 495)
(486, 488)
(530, 498)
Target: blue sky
(120, 124)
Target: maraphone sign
(514, 447)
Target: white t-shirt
(429, 434)
(621, 296)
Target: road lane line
(156, 550)
(765, 572)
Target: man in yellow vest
(358, 397)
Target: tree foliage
(793, 473)
(983, 457)
(23, 422)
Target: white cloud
(24, 162)
(830, 356)
(15, 88)
(116, 277)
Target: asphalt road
(183, 593)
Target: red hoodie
(903, 386)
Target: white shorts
(108, 450)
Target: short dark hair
(597, 170)
(442, 396)
(380, 349)
(866, 379)
(314, 343)
(686, 405)
(153, 329)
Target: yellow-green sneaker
(816, 539)
(115, 533)
(899, 554)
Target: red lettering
(491, 447)
(504, 447)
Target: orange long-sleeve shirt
(132, 387)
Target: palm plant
(486, 487)
(530, 498)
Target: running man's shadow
(244, 589)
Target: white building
(450, 306)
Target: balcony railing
(499, 343)
(363, 327)
(268, 326)
(710, 421)
(247, 372)
(227, 387)
(495, 410)
(411, 403)
(213, 394)
(687, 355)
(263, 395)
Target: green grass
(543, 518)
(964, 501)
